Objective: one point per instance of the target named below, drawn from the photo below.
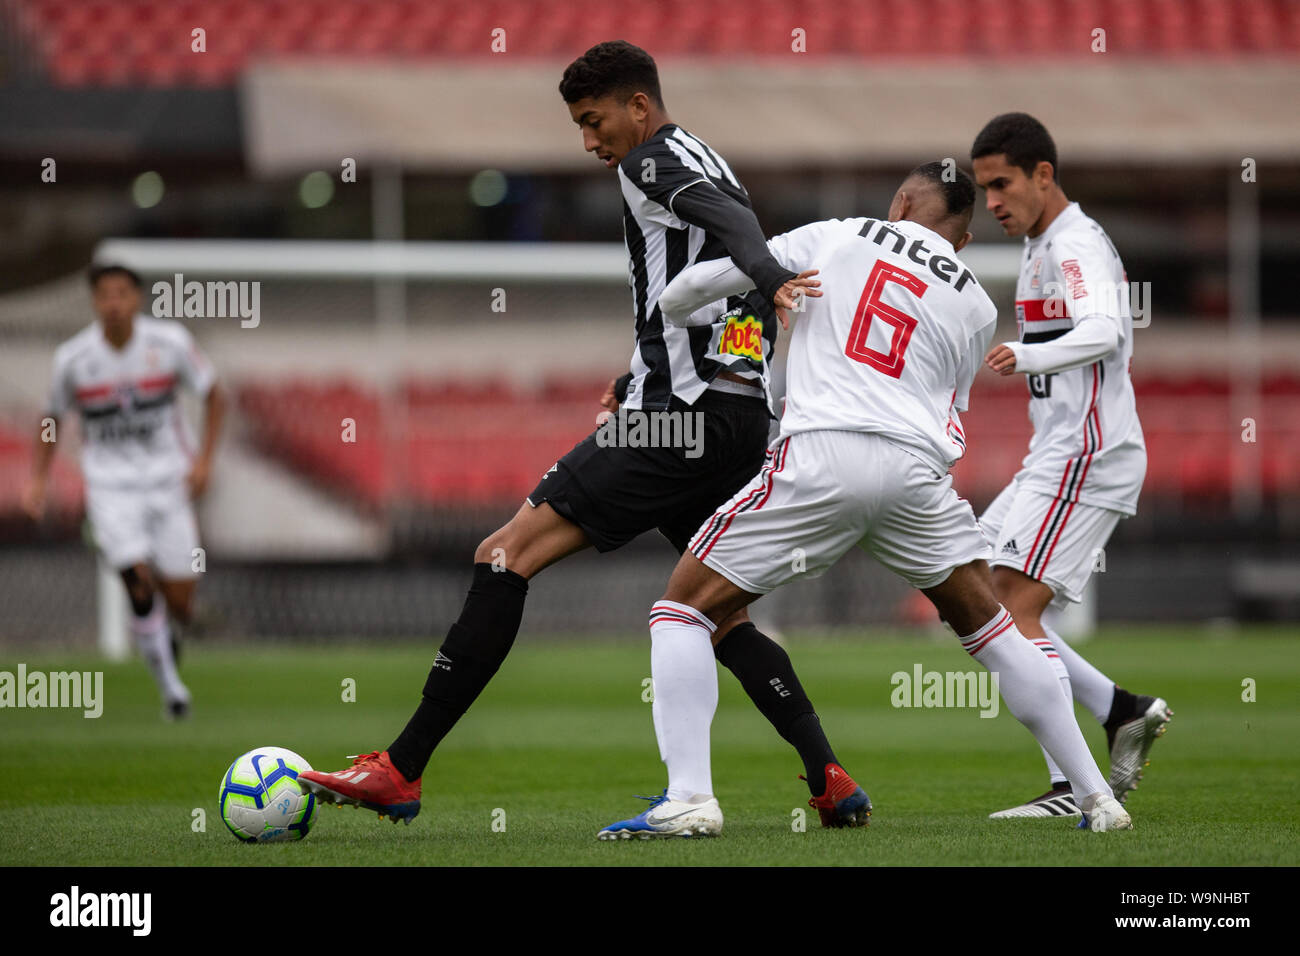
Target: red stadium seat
(150, 38)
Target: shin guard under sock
(474, 649)
(763, 668)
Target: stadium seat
(148, 39)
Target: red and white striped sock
(685, 677)
(1033, 695)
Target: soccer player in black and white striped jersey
(681, 204)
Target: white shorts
(153, 526)
(822, 492)
(1050, 539)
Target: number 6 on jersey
(901, 324)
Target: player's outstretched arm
(1092, 339)
(696, 286)
(34, 492)
(214, 412)
(1094, 303)
(705, 282)
(704, 205)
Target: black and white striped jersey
(683, 204)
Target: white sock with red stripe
(685, 695)
(154, 639)
(1033, 695)
(1092, 688)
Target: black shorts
(614, 492)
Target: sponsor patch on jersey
(1074, 278)
(1037, 281)
(743, 336)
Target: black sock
(1123, 707)
(475, 647)
(764, 670)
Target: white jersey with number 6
(891, 346)
(879, 367)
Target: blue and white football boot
(699, 817)
(1102, 813)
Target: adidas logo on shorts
(1010, 547)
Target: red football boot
(371, 782)
(844, 804)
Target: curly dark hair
(612, 67)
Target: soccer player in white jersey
(879, 369)
(1087, 458)
(138, 460)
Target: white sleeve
(1089, 268)
(699, 285)
(799, 249)
(61, 395)
(973, 360)
(1091, 339)
(1093, 299)
(193, 366)
(707, 282)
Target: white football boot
(699, 817)
(1102, 813)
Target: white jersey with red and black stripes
(1087, 445)
(133, 432)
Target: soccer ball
(260, 799)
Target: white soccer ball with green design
(260, 799)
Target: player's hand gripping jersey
(1076, 343)
(892, 345)
(133, 432)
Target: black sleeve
(620, 387)
(692, 197)
(737, 227)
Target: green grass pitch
(561, 741)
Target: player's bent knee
(506, 543)
(1020, 594)
(491, 549)
(698, 586)
(534, 539)
(1004, 586)
(139, 588)
(729, 624)
(966, 599)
